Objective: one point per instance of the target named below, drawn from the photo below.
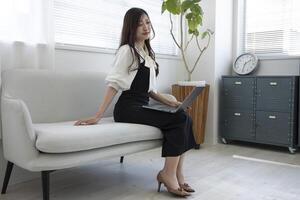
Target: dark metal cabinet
(238, 124)
(238, 93)
(273, 127)
(274, 94)
(261, 109)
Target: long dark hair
(130, 25)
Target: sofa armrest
(14, 111)
(18, 135)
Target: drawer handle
(238, 83)
(272, 117)
(237, 114)
(273, 83)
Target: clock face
(245, 63)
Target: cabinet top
(263, 76)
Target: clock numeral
(237, 114)
(273, 83)
(272, 117)
(238, 83)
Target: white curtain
(26, 34)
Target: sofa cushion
(64, 137)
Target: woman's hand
(174, 103)
(88, 121)
(177, 103)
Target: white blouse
(120, 78)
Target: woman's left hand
(174, 103)
(177, 103)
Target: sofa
(39, 109)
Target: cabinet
(261, 109)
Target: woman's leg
(179, 170)
(169, 172)
(180, 176)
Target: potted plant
(192, 13)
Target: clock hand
(245, 64)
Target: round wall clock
(245, 64)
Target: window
(98, 23)
(23, 21)
(271, 27)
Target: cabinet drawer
(274, 94)
(237, 124)
(238, 93)
(273, 127)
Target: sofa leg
(45, 184)
(121, 159)
(9, 168)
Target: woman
(134, 73)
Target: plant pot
(199, 107)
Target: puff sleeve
(119, 77)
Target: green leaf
(194, 21)
(186, 5)
(163, 7)
(173, 6)
(201, 10)
(198, 19)
(189, 16)
(204, 34)
(196, 9)
(196, 32)
(192, 25)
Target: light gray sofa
(39, 108)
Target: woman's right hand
(88, 121)
(109, 95)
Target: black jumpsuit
(176, 127)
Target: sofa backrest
(54, 96)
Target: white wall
(278, 67)
(223, 53)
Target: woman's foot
(171, 184)
(182, 183)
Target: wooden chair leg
(9, 168)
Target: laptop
(186, 103)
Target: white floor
(212, 171)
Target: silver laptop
(186, 103)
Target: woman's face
(143, 29)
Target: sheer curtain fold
(26, 34)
